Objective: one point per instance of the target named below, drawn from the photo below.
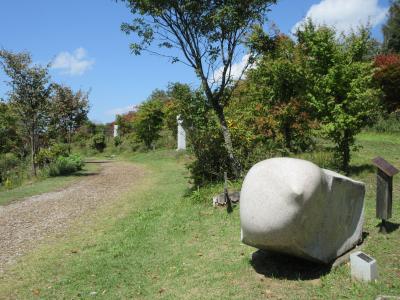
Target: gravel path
(25, 223)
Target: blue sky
(88, 50)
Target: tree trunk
(346, 152)
(33, 154)
(69, 140)
(234, 162)
(219, 110)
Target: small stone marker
(181, 134)
(384, 190)
(363, 267)
(115, 130)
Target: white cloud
(121, 110)
(345, 14)
(236, 70)
(75, 63)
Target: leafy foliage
(387, 123)
(269, 107)
(65, 165)
(69, 111)
(98, 142)
(10, 140)
(8, 162)
(149, 120)
(29, 95)
(204, 137)
(387, 78)
(208, 35)
(51, 153)
(125, 123)
(391, 30)
(339, 77)
(117, 141)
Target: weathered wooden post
(226, 194)
(384, 190)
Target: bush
(117, 141)
(48, 155)
(8, 163)
(387, 78)
(133, 143)
(389, 123)
(66, 165)
(148, 122)
(166, 140)
(98, 142)
(211, 156)
(322, 158)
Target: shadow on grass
(83, 174)
(98, 161)
(357, 170)
(282, 266)
(390, 227)
(364, 237)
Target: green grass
(158, 243)
(41, 186)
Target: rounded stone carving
(292, 206)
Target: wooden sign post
(226, 194)
(384, 190)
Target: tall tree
(69, 110)
(29, 95)
(387, 77)
(9, 138)
(149, 120)
(340, 89)
(391, 30)
(209, 36)
(277, 86)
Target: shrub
(133, 143)
(389, 123)
(387, 78)
(8, 162)
(166, 140)
(211, 160)
(66, 165)
(117, 141)
(148, 122)
(98, 142)
(48, 155)
(203, 135)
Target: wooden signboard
(384, 189)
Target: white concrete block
(363, 267)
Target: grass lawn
(158, 243)
(41, 186)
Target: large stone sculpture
(292, 206)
